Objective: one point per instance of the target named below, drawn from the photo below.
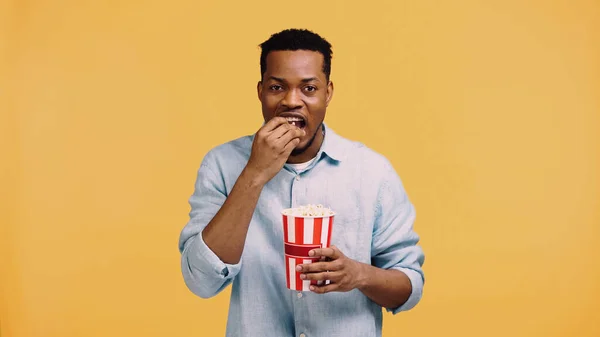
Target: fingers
(285, 133)
(273, 123)
(279, 131)
(316, 267)
(290, 146)
(326, 275)
(332, 252)
(292, 134)
(324, 289)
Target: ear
(259, 90)
(329, 93)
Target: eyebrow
(304, 80)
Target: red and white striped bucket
(300, 235)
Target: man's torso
(260, 303)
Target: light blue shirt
(373, 224)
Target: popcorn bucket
(301, 234)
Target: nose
(292, 100)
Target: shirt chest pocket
(348, 235)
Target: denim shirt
(373, 224)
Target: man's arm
(204, 273)
(395, 250)
(226, 233)
(394, 279)
(388, 288)
(212, 242)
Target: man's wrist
(365, 274)
(252, 178)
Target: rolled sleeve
(416, 281)
(395, 243)
(206, 259)
(203, 271)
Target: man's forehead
(296, 63)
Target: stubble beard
(299, 151)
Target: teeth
(293, 119)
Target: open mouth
(296, 121)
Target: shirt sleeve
(204, 273)
(394, 244)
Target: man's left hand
(344, 273)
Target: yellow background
(489, 110)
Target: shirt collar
(332, 145)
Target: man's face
(294, 86)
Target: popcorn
(309, 210)
(304, 228)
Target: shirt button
(297, 179)
(299, 295)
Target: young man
(235, 232)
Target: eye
(275, 87)
(310, 88)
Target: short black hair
(296, 39)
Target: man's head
(295, 68)
(296, 39)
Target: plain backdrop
(488, 110)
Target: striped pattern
(300, 231)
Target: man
(235, 232)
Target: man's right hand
(272, 146)
(226, 233)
